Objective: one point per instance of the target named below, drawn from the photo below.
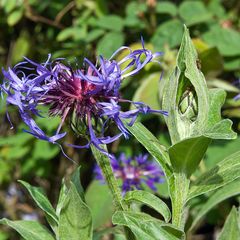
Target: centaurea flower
(134, 172)
(88, 97)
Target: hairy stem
(179, 196)
(104, 163)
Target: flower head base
(134, 172)
(86, 97)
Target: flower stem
(104, 163)
(179, 197)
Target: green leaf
(220, 149)
(18, 139)
(29, 230)
(186, 155)
(21, 47)
(98, 197)
(226, 40)
(110, 22)
(223, 84)
(109, 43)
(224, 172)
(229, 190)
(71, 32)
(194, 110)
(148, 91)
(50, 150)
(94, 34)
(75, 221)
(75, 178)
(15, 17)
(166, 8)
(232, 63)
(150, 200)
(231, 228)
(146, 227)
(194, 12)
(186, 86)
(41, 200)
(153, 146)
(169, 32)
(211, 62)
(215, 127)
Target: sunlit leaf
(150, 200)
(146, 227)
(224, 172)
(29, 230)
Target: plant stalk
(179, 197)
(104, 163)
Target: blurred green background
(75, 29)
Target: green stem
(179, 196)
(104, 163)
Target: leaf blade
(150, 200)
(224, 172)
(29, 230)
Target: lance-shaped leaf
(76, 181)
(41, 200)
(153, 146)
(146, 227)
(185, 95)
(216, 128)
(224, 172)
(29, 230)
(187, 154)
(150, 200)
(75, 221)
(193, 109)
(229, 190)
(231, 228)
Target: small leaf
(146, 227)
(186, 155)
(98, 197)
(75, 221)
(71, 32)
(226, 40)
(109, 43)
(169, 32)
(224, 172)
(150, 200)
(110, 22)
(166, 8)
(15, 17)
(94, 34)
(229, 190)
(153, 146)
(187, 84)
(29, 230)
(41, 200)
(215, 127)
(194, 12)
(75, 178)
(231, 229)
(211, 62)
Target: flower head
(88, 98)
(134, 172)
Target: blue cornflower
(134, 172)
(89, 97)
